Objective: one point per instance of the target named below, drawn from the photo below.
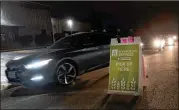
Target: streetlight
(3, 22)
(70, 24)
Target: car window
(106, 39)
(87, 40)
(102, 39)
(66, 42)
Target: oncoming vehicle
(61, 62)
(155, 43)
(170, 41)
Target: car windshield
(66, 42)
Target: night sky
(122, 14)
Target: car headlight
(141, 44)
(18, 57)
(157, 43)
(163, 43)
(37, 64)
(174, 37)
(170, 41)
(37, 78)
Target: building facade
(22, 19)
(61, 25)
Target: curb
(4, 86)
(84, 90)
(102, 103)
(7, 92)
(97, 80)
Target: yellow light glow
(163, 43)
(170, 48)
(157, 43)
(141, 44)
(174, 37)
(170, 41)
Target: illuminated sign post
(125, 67)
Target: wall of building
(56, 25)
(19, 14)
(27, 17)
(60, 25)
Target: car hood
(42, 54)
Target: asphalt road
(90, 90)
(162, 91)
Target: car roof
(80, 33)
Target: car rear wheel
(66, 73)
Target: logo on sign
(114, 52)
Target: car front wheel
(66, 73)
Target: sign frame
(137, 41)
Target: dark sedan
(62, 61)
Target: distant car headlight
(174, 37)
(18, 57)
(141, 44)
(37, 64)
(157, 43)
(163, 43)
(170, 41)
